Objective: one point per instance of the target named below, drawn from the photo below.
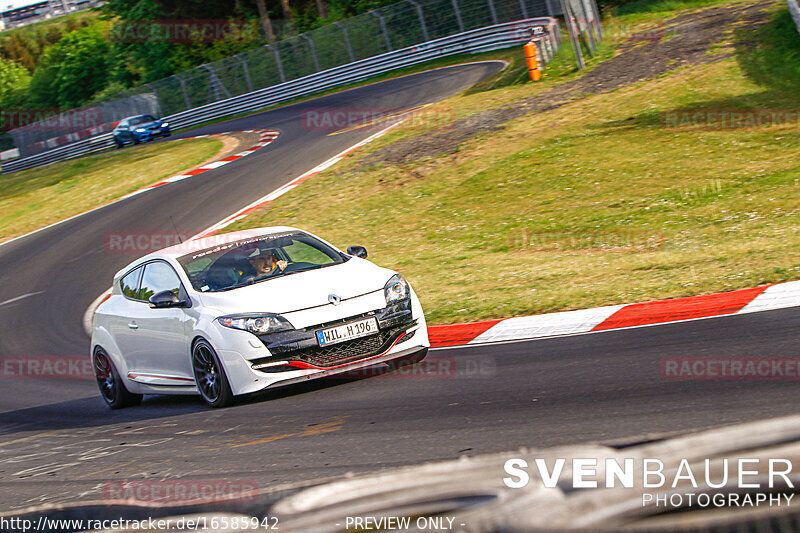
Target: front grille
(344, 352)
(337, 354)
(302, 344)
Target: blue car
(138, 129)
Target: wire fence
(406, 23)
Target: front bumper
(152, 134)
(296, 355)
(300, 349)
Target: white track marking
(18, 298)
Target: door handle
(133, 325)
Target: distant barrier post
(532, 61)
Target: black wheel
(209, 376)
(112, 389)
(136, 140)
(407, 360)
(119, 143)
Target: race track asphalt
(59, 443)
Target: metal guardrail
(544, 29)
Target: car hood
(146, 125)
(302, 290)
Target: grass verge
(632, 195)
(650, 8)
(35, 198)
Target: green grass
(595, 203)
(770, 55)
(660, 7)
(32, 199)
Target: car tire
(408, 360)
(119, 143)
(136, 140)
(209, 376)
(112, 389)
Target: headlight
(141, 130)
(257, 324)
(396, 289)
(165, 125)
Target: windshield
(144, 119)
(232, 265)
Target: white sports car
(245, 311)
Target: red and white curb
(763, 298)
(266, 137)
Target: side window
(158, 276)
(130, 283)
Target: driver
(266, 263)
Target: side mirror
(358, 251)
(164, 299)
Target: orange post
(532, 61)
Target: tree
(322, 9)
(25, 45)
(72, 70)
(148, 57)
(14, 81)
(287, 11)
(266, 23)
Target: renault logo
(334, 299)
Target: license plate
(346, 332)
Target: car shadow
(92, 412)
(314, 385)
